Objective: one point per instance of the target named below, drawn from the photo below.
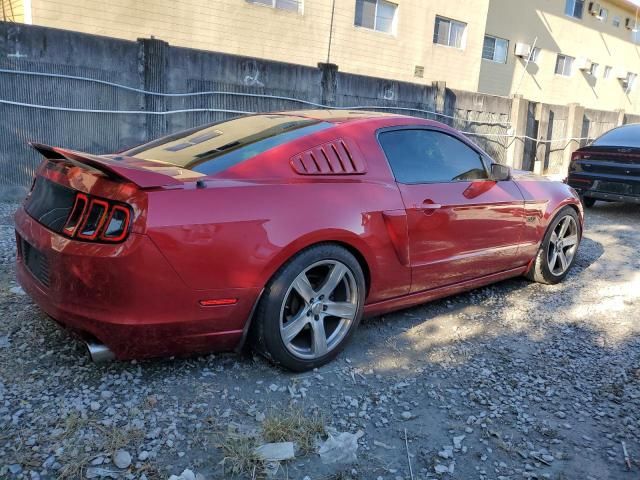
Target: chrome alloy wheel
(318, 309)
(562, 245)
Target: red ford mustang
(281, 229)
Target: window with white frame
(574, 8)
(616, 21)
(607, 72)
(449, 32)
(564, 65)
(495, 49)
(594, 69)
(377, 15)
(291, 5)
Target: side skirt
(417, 298)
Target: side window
(429, 156)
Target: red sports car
(280, 229)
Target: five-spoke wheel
(318, 309)
(558, 249)
(311, 307)
(562, 245)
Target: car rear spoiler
(143, 177)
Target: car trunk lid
(96, 197)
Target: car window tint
(626, 136)
(427, 156)
(213, 148)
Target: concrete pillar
(328, 83)
(518, 128)
(575, 120)
(621, 117)
(153, 64)
(542, 149)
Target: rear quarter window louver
(338, 157)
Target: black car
(609, 168)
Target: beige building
(393, 41)
(585, 52)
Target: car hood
(525, 175)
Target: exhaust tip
(99, 352)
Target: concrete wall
(303, 37)
(154, 65)
(104, 117)
(544, 20)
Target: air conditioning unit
(523, 50)
(620, 73)
(583, 63)
(594, 9)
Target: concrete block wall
(122, 117)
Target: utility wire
(219, 92)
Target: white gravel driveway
(532, 381)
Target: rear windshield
(213, 148)
(625, 136)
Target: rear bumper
(128, 296)
(613, 188)
(612, 197)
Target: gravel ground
(516, 380)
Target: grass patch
(78, 433)
(295, 426)
(115, 438)
(240, 457)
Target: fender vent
(331, 158)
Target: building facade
(553, 51)
(581, 52)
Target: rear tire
(310, 308)
(588, 202)
(558, 249)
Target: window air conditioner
(523, 50)
(583, 63)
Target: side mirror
(499, 172)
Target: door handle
(429, 205)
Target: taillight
(575, 156)
(76, 215)
(117, 224)
(94, 219)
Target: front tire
(558, 249)
(310, 308)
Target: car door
(461, 224)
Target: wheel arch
(351, 243)
(574, 206)
(347, 240)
